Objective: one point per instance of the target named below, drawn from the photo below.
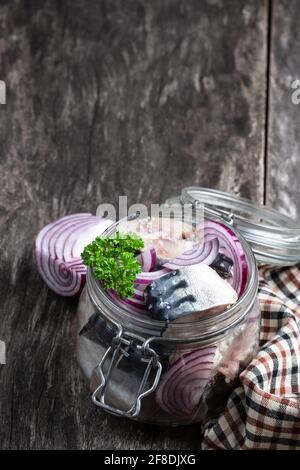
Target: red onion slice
(148, 259)
(131, 304)
(76, 263)
(50, 233)
(181, 387)
(63, 236)
(138, 294)
(57, 249)
(230, 246)
(147, 278)
(204, 254)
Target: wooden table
(136, 98)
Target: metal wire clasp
(119, 348)
(217, 212)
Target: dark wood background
(107, 98)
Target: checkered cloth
(264, 411)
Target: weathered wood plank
(131, 97)
(283, 169)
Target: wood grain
(117, 97)
(283, 169)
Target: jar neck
(209, 328)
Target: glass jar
(134, 369)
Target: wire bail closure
(119, 348)
(227, 216)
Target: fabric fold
(264, 411)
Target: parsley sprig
(113, 260)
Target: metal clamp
(119, 349)
(220, 213)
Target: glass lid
(273, 237)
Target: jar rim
(153, 328)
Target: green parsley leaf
(113, 260)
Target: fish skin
(188, 291)
(223, 265)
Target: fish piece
(223, 265)
(169, 237)
(190, 291)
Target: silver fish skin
(188, 291)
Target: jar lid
(273, 237)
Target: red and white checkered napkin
(264, 411)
